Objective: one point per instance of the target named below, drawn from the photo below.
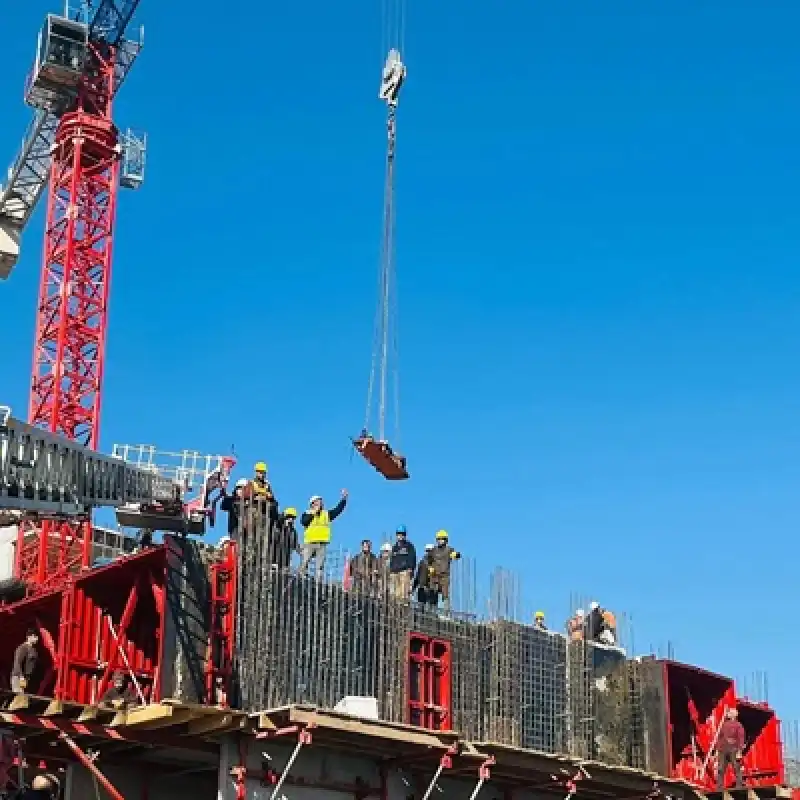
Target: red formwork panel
(696, 701)
(109, 618)
(763, 763)
(429, 685)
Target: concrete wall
(334, 767)
(136, 782)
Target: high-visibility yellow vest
(319, 531)
(259, 489)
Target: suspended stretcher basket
(379, 454)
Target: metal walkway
(50, 476)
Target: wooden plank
(265, 723)
(150, 713)
(54, 708)
(180, 717)
(20, 702)
(89, 714)
(369, 728)
(215, 724)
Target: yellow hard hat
(441, 534)
(290, 512)
(260, 467)
(539, 615)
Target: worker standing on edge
(422, 580)
(402, 565)
(25, 658)
(730, 744)
(365, 568)
(317, 522)
(442, 557)
(538, 621)
(231, 504)
(284, 543)
(385, 559)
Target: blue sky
(597, 256)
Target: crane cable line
(384, 366)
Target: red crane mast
(80, 63)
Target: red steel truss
(72, 311)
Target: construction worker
(576, 626)
(538, 621)
(284, 541)
(25, 659)
(402, 565)
(730, 747)
(425, 596)
(609, 633)
(232, 503)
(317, 522)
(120, 693)
(442, 557)
(365, 568)
(594, 622)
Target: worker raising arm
(317, 522)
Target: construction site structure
(237, 628)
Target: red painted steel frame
(79, 650)
(72, 311)
(219, 663)
(429, 683)
(696, 702)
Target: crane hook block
(379, 455)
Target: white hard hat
(314, 498)
(428, 547)
(224, 540)
(241, 483)
(579, 612)
(386, 547)
(594, 605)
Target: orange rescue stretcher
(380, 455)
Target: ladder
(52, 477)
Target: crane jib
(110, 20)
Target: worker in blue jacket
(402, 564)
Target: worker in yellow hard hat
(284, 542)
(441, 558)
(261, 500)
(538, 621)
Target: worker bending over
(576, 626)
(120, 693)
(442, 557)
(317, 523)
(26, 657)
(422, 580)
(730, 747)
(365, 569)
(402, 565)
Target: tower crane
(375, 449)
(73, 146)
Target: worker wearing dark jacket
(120, 693)
(402, 564)
(365, 569)
(317, 522)
(730, 744)
(232, 503)
(425, 595)
(25, 658)
(442, 557)
(283, 540)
